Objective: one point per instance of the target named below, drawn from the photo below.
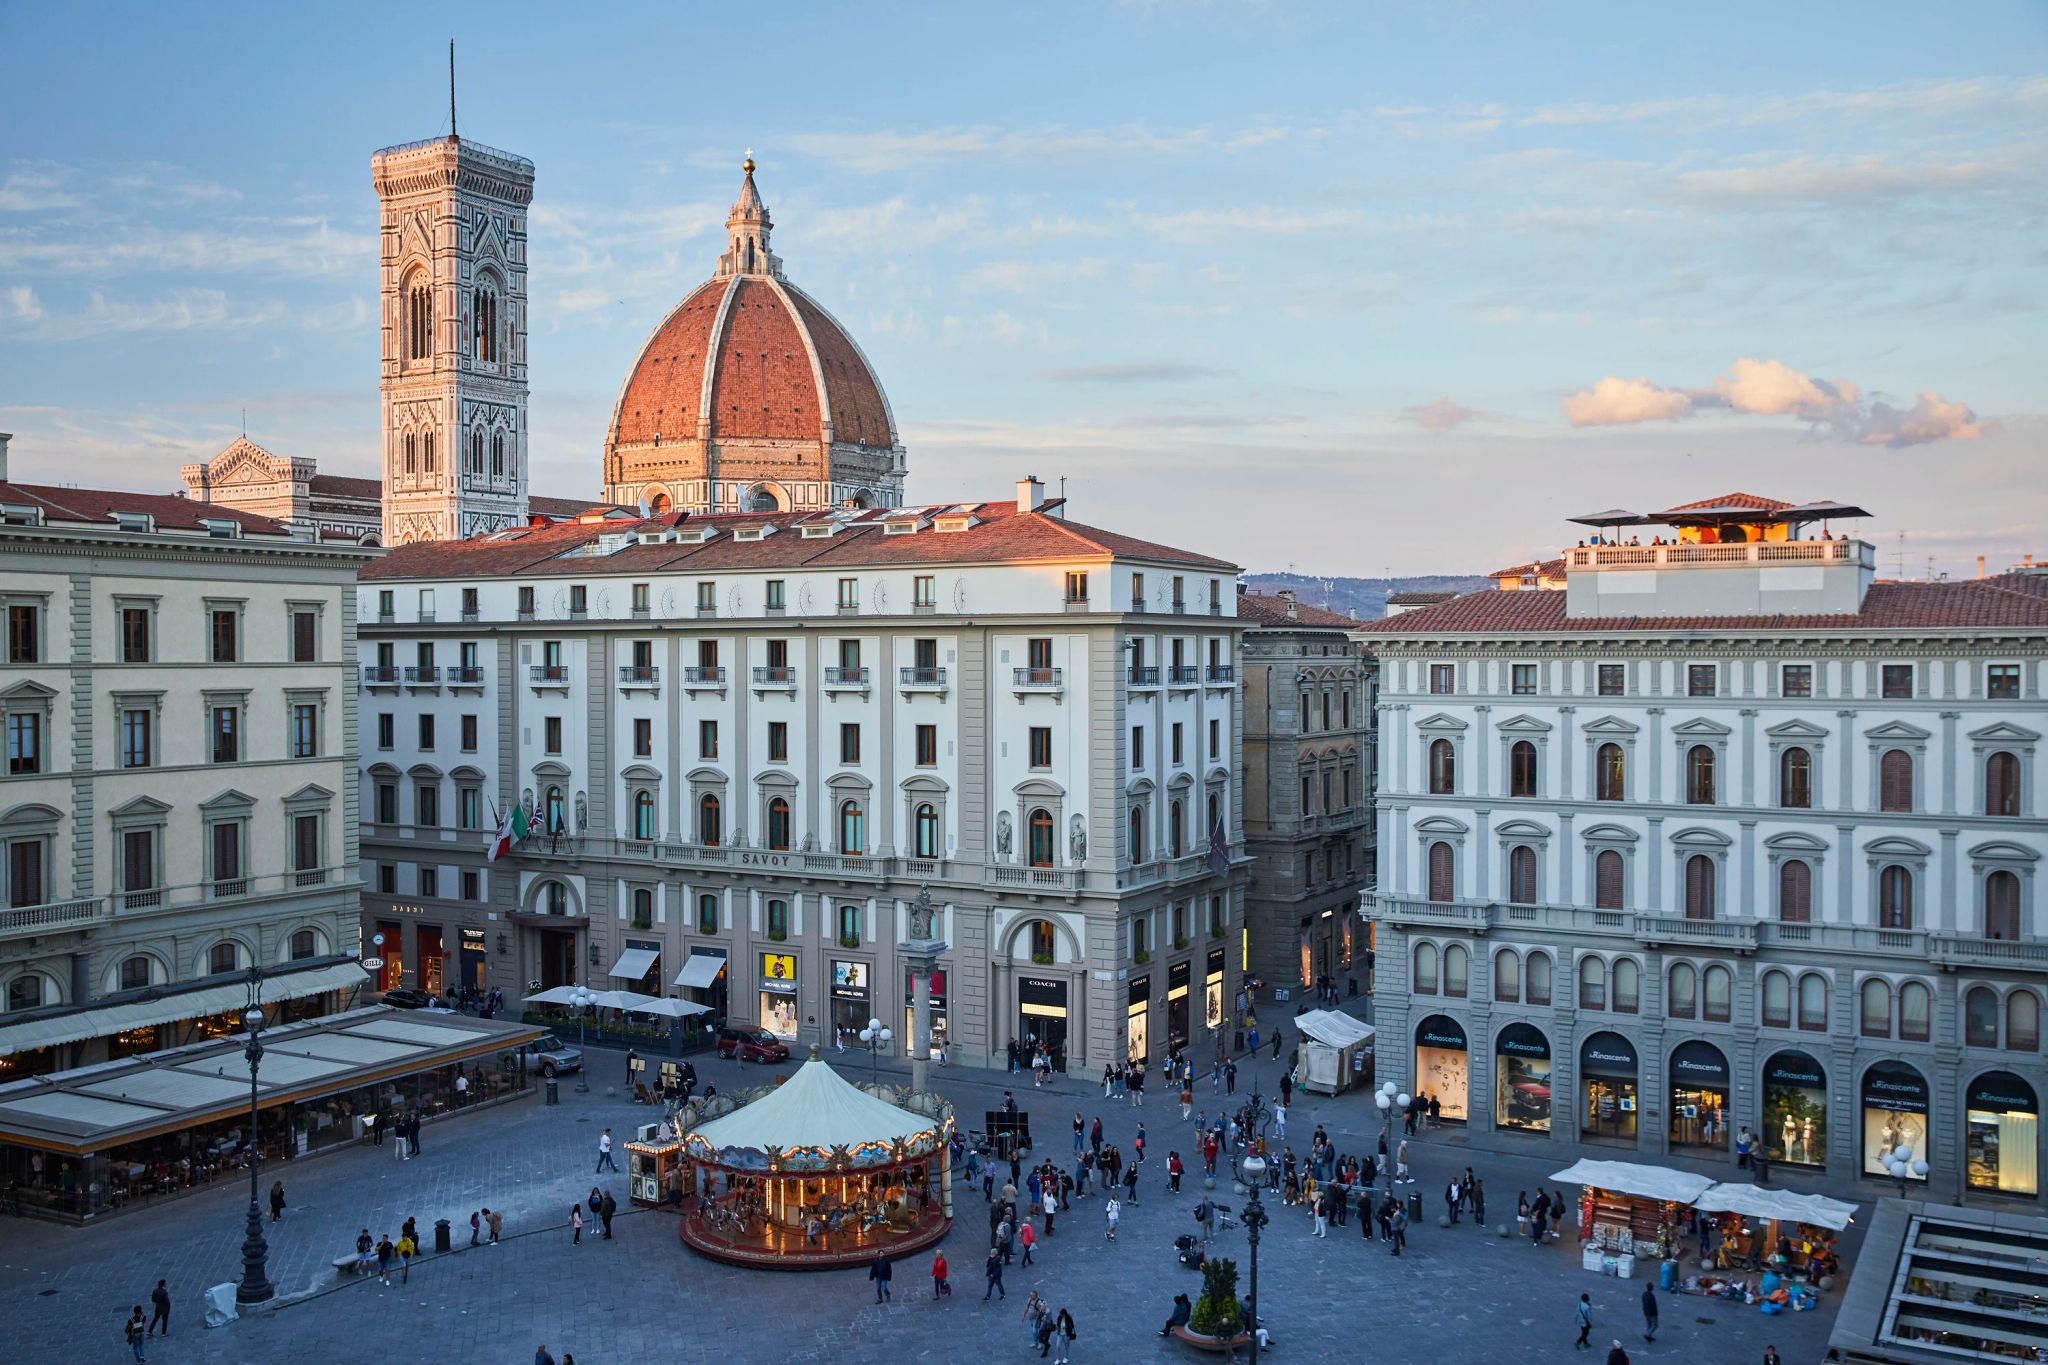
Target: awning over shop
(700, 971)
(174, 1006)
(634, 963)
(554, 995)
(1646, 1182)
(670, 1009)
(1752, 1201)
(1332, 1029)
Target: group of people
(385, 1253)
(136, 1331)
(1035, 1056)
(600, 1205)
(1422, 1106)
(402, 1124)
(1124, 1081)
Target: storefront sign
(749, 858)
(1441, 1031)
(1039, 990)
(2001, 1092)
(1608, 1054)
(1895, 1087)
(1523, 1040)
(1697, 1063)
(1795, 1068)
(778, 967)
(1141, 989)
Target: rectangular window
(305, 637)
(227, 734)
(849, 743)
(427, 804)
(924, 591)
(227, 859)
(305, 730)
(469, 808)
(24, 636)
(643, 737)
(579, 599)
(1178, 756)
(135, 635)
(387, 603)
(707, 739)
(849, 594)
(2002, 682)
(1137, 592)
(775, 598)
(707, 598)
(643, 600)
(468, 727)
(526, 600)
(430, 881)
(1077, 587)
(1897, 680)
(469, 604)
(426, 734)
(1137, 746)
(849, 655)
(1795, 680)
(1613, 680)
(1443, 678)
(472, 885)
(138, 866)
(927, 746)
(1041, 746)
(1700, 680)
(225, 635)
(387, 803)
(1215, 739)
(24, 743)
(1524, 680)
(135, 745)
(387, 730)
(778, 741)
(778, 656)
(551, 734)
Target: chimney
(1030, 493)
(1293, 606)
(5, 437)
(1980, 566)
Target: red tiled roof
(1002, 535)
(1542, 568)
(2032, 584)
(96, 507)
(1419, 598)
(342, 486)
(1967, 605)
(1264, 610)
(571, 507)
(1752, 501)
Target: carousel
(815, 1173)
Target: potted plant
(1043, 959)
(1217, 1311)
(849, 940)
(1141, 957)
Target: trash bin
(1415, 1207)
(554, 1091)
(441, 1243)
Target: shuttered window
(1522, 875)
(1895, 780)
(1522, 769)
(1795, 779)
(1442, 872)
(1699, 776)
(1443, 768)
(1699, 887)
(1612, 781)
(2002, 905)
(1608, 881)
(1795, 891)
(2001, 784)
(1895, 898)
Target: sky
(1355, 289)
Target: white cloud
(897, 149)
(35, 189)
(1615, 402)
(20, 303)
(1439, 415)
(1771, 388)
(1933, 418)
(1029, 277)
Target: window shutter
(1607, 881)
(1441, 880)
(1699, 887)
(1895, 781)
(1795, 892)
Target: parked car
(752, 1045)
(552, 1055)
(406, 998)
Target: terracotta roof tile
(96, 506)
(1887, 606)
(1266, 610)
(342, 486)
(1753, 501)
(1542, 568)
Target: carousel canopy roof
(818, 1108)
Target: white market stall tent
(1335, 1052)
(1644, 1182)
(1782, 1206)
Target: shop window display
(1699, 1096)
(1522, 1079)
(1894, 1114)
(1607, 1088)
(1795, 1121)
(1442, 1068)
(2002, 1127)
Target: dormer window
(21, 514)
(220, 528)
(140, 523)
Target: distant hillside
(1365, 598)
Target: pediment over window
(1794, 842)
(1701, 837)
(926, 783)
(1217, 774)
(1523, 829)
(1897, 730)
(227, 801)
(1139, 787)
(466, 773)
(38, 814)
(1180, 782)
(1524, 725)
(550, 768)
(710, 777)
(307, 794)
(28, 690)
(1441, 824)
(1048, 790)
(1700, 728)
(2004, 851)
(641, 772)
(1609, 834)
(1896, 846)
(1797, 729)
(1612, 726)
(2004, 732)
(1442, 722)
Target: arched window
(1137, 834)
(1877, 1008)
(1916, 1011)
(643, 907)
(1699, 887)
(1717, 993)
(1813, 1002)
(643, 815)
(1895, 780)
(305, 944)
(2002, 905)
(849, 925)
(1443, 768)
(1039, 841)
(2001, 784)
(1443, 872)
(1507, 976)
(1980, 1017)
(1457, 968)
(1699, 775)
(1522, 875)
(486, 313)
(1777, 1000)
(2022, 1021)
(1628, 985)
(1610, 880)
(1682, 991)
(1611, 774)
(1795, 779)
(419, 319)
(853, 836)
(1215, 816)
(476, 451)
(1175, 822)
(1795, 891)
(135, 973)
(707, 913)
(1895, 898)
(710, 820)
(554, 814)
(25, 992)
(427, 452)
(1425, 969)
(497, 455)
(1537, 970)
(555, 898)
(1592, 984)
(778, 825)
(1522, 769)
(412, 453)
(1043, 945)
(925, 828)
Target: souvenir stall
(656, 1176)
(816, 1172)
(1335, 1052)
(1629, 1212)
(1749, 1228)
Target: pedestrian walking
(406, 1248)
(1320, 1206)
(1174, 1171)
(134, 1333)
(1062, 1337)
(1400, 1224)
(1187, 1100)
(1230, 1077)
(576, 1224)
(1479, 1202)
(277, 1201)
(399, 1151)
(1280, 1120)
(1401, 1164)
(607, 1207)
(880, 1272)
(1026, 1238)
(476, 1226)
(604, 1152)
(941, 1286)
(1452, 1193)
(496, 1223)
(385, 1251)
(1583, 1315)
(160, 1308)
(366, 1250)
(993, 1269)
(1279, 1038)
(1649, 1310)
(1080, 1133)
(1112, 1211)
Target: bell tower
(452, 236)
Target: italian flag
(509, 833)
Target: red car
(752, 1045)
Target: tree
(1218, 1305)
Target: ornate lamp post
(580, 998)
(1390, 1103)
(1900, 1165)
(255, 1286)
(1254, 1215)
(874, 1035)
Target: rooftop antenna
(245, 423)
(1902, 556)
(451, 89)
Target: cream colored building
(178, 800)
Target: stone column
(921, 956)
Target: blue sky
(1358, 288)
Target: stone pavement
(1459, 1294)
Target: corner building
(1724, 832)
(748, 741)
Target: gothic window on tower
(497, 454)
(419, 319)
(476, 452)
(427, 452)
(412, 453)
(486, 316)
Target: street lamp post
(1390, 1103)
(1902, 1166)
(874, 1035)
(1253, 1215)
(580, 998)
(255, 1286)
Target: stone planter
(1212, 1345)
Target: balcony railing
(1145, 676)
(704, 675)
(1755, 552)
(775, 675)
(923, 678)
(380, 675)
(466, 675)
(1736, 935)
(550, 675)
(1222, 673)
(422, 675)
(1039, 680)
(54, 917)
(846, 677)
(639, 675)
(1180, 606)
(1951, 950)
(1184, 675)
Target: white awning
(554, 995)
(670, 1009)
(1331, 1028)
(1756, 1202)
(700, 971)
(1645, 1182)
(169, 1009)
(634, 963)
